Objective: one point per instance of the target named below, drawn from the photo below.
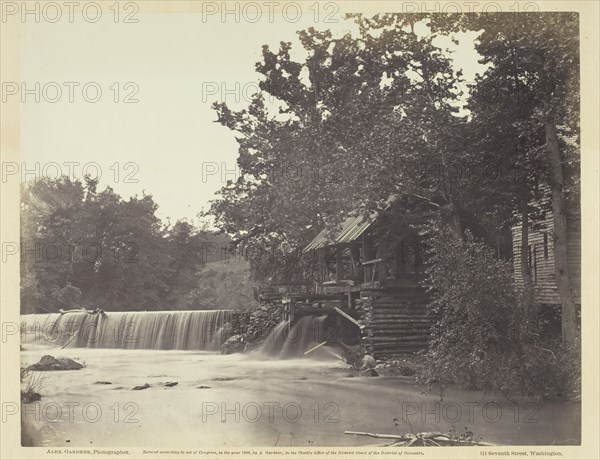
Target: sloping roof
(352, 228)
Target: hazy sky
(175, 62)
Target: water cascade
(158, 330)
(293, 341)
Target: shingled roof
(352, 228)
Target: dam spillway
(151, 330)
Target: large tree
(532, 92)
(373, 115)
(84, 247)
(363, 118)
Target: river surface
(251, 400)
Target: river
(254, 400)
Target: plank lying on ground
(435, 438)
(378, 435)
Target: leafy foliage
(353, 355)
(31, 384)
(354, 120)
(261, 323)
(84, 247)
(374, 115)
(488, 335)
(223, 285)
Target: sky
(170, 68)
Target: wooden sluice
(337, 308)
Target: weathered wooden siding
(396, 320)
(542, 257)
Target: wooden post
(357, 268)
(382, 253)
(338, 262)
(366, 256)
(321, 262)
(292, 309)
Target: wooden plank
(315, 347)
(329, 283)
(347, 316)
(372, 262)
(339, 283)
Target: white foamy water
(306, 334)
(160, 330)
(205, 399)
(250, 400)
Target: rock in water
(234, 344)
(366, 372)
(50, 363)
(368, 366)
(30, 396)
(141, 387)
(369, 362)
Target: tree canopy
(85, 247)
(369, 116)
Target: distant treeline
(81, 247)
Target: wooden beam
(372, 262)
(346, 315)
(315, 347)
(339, 283)
(378, 435)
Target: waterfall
(292, 342)
(158, 330)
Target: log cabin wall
(541, 256)
(396, 320)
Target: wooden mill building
(370, 271)
(540, 255)
(374, 265)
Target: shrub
(31, 385)
(68, 297)
(353, 355)
(487, 336)
(261, 323)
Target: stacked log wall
(396, 321)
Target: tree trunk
(456, 225)
(559, 210)
(451, 217)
